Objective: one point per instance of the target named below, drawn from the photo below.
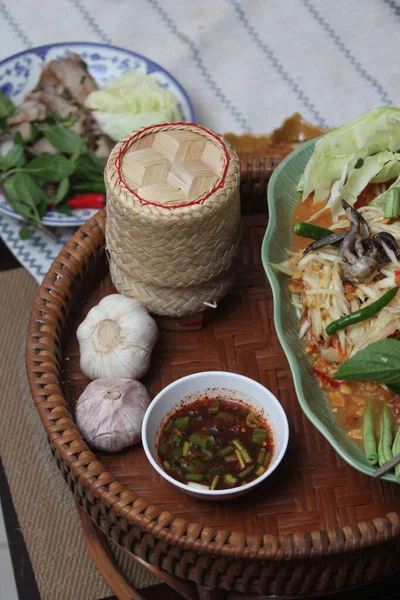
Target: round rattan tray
(315, 527)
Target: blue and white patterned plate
(20, 73)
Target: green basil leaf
(62, 190)
(34, 134)
(49, 167)
(3, 125)
(7, 107)
(29, 193)
(90, 167)
(378, 362)
(65, 139)
(25, 232)
(15, 157)
(64, 208)
(9, 188)
(23, 209)
(18, 139)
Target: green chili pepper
(89, 186)
(314, 232)
(363, 313)
(386, 438)
(370, 449)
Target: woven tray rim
(44, 375)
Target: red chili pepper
(325, 378)
(92, 200)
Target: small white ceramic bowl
(221, 383)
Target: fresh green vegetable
(395, 452)
(30, 198)
(15, 157)
(207, 453)
(7, 107)
(194, 476)
(186, 448)
(166, 464)
(378, 362)
(177, 452)
(261, 456)
(363, 313)
(50, 167)
(90, 186)
(181, 423)
(267, 459)
(392, 204)
(346, 159)
(90, 167)
(62, 190)
(214, 482)
(370, 449)
(230, 479)
(385, 437)
(64, 139)
(175, 437)
(260, 471)
(246, 471)
(233, 457)
(240, 458)
(308, 230)
(243, 451)
(259, 436)
(64, 208)
(225, 451)
(130, 102)
(214, 407)
(199, 439)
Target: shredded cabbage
(132, 101)
(346, 159)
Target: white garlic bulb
(116, 339)
(110, 412)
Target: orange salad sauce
(348, 399)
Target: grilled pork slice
(31, 110)
(72, 73)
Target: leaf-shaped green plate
(282, 198)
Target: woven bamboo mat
(45, 506)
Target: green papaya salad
(344, 269)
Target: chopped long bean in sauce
(215, 444)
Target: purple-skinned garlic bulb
(110, 412)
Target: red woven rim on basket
(200, 200)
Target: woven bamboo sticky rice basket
(173, 226)
(315, 527)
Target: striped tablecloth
(246, 65)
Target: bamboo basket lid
(173, 213)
